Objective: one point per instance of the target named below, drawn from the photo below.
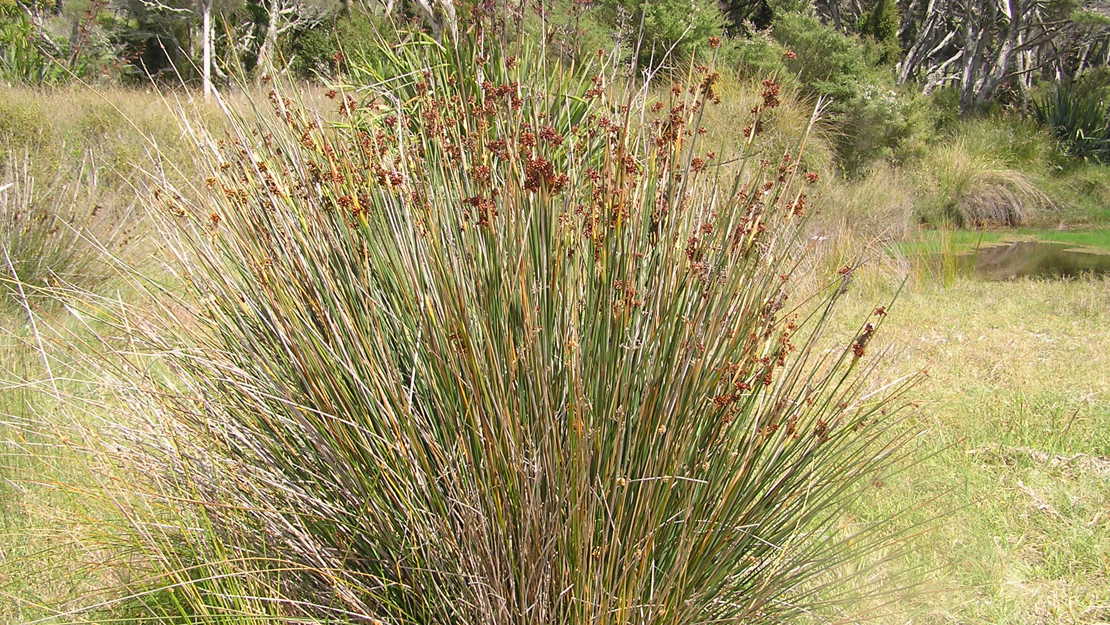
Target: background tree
(281, 17)
(439, 15)
(984, 47)
(205, 7)
(882, 25)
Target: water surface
(1037, 259)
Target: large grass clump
(52, 232)
(988, 173)
(496, 348)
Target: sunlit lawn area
(1016, 444)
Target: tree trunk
(265, 64)
(1004, 61)
(206, 45)
(440, 14)
(973, 35)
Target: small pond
(1038, 259)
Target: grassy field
(1016, 416)
(1012, 483)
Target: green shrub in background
(576, 31)
(31, 55)
(1079, 118)
(314, 50)
(760, 55)
(665, 32)
(826, 61)
(26, 56)
(1096, 80)
(883, 123)
(944, 105)
(822, 60)
(873, 120)
(748, 16)
(880, 26)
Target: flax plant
(501, 347)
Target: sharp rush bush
(498, 348)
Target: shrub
(576, 31)
(760, 55)
(876, 120)
(30, 55)
(665, 32)
(747, 15)
(1093, 80)
(25, 56)
(1078, 118)
(944, 103)
(881, 25)
(486, 352)
(882, 123)
(826, 61)
(314, 49)
(744, 15)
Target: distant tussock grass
(988, 173)
(485, 351)
(976, 190)
(52, 231)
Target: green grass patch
(1016, 412)
(1083, 238)
(932, 241)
